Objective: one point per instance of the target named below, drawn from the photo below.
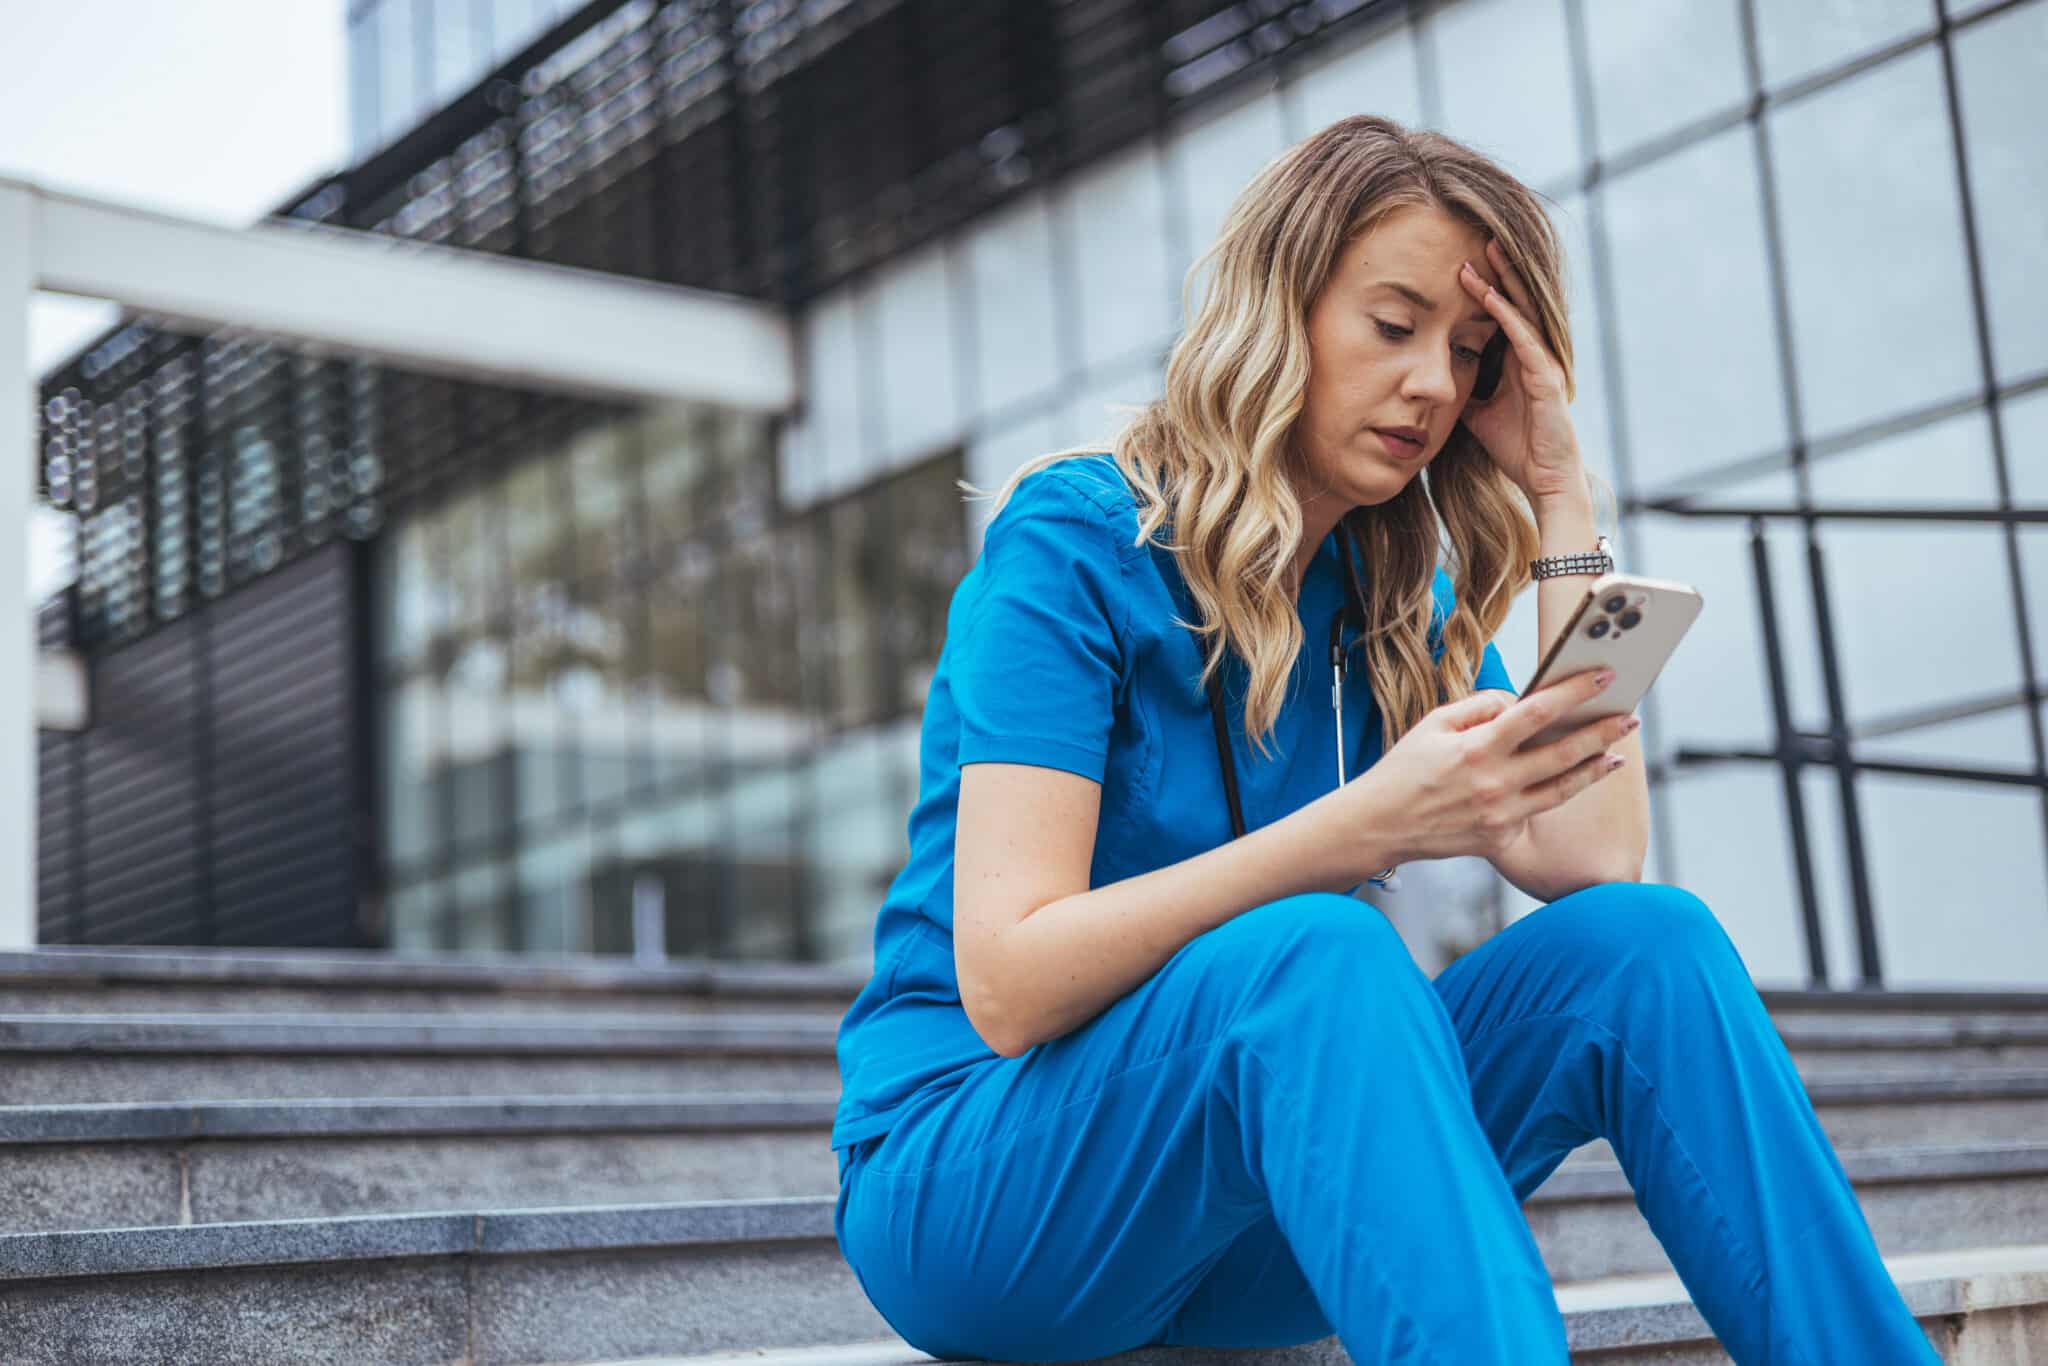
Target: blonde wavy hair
(1215, 459)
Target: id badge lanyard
(1354, 610)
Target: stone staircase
(258, 1156)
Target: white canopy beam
(445, 310)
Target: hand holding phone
(1626, 622)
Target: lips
(1402, 441)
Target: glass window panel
(767, 883)
(1866, 180)
(848, 842)
(457, 47)
(675, 682)
(364, 37)
(1995, 739)
(679, 449)
(830, 336)
(1658, 65)
(1944, 921)
(757, 603)
(1946, 463)
(482, 912)
(595, 688)
(1828, 848)
(1010, 260)
(1570, 218)
(2034, 571)
(1906, 638)
(1377, 76)
(1797, 38)
(398, 73)
(1505, 73)
(551, 901)
(1212, 161)
(477, 730)
(1733, 847)
(413, 762)
(920, 383)
(472, 528)
(1698, 364)
(853, 595)
(931, 556)
(2026, 447)
(1999, 68)
(1096, 413)
(680, 843)
(536, 532)
(412, 587)
(542, 651)
(1129, 293)
(601, 480)
(412, 918)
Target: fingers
(1477, 709)
(1568, 784)
(1538, 709)
(1592, 739)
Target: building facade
(447, 665)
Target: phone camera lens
(1630, 618)
(1614, 603)
(1597, 629)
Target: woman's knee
(1639, 923)
(1313, 938)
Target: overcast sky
(213, 109)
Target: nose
(1432, 380)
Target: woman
(1120, 1078)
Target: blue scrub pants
(1289, 1130)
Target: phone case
(1657, 613)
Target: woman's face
(1380, 358)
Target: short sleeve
(1035, 672)
(1493, 672)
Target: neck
(1319, 517)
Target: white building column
(18, 666)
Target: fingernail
(1615, 761)
(1628, 727)
(1603, 678)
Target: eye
(1394, 333)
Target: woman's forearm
(1603, 834)
(1070, 959)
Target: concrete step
(563, 1285)
(134, 1057)
(1824, 1046)
(1916, 1199)
(69, 1167)
(73, 1166)
(109, 980)
(1980, 1307)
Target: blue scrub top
(1061, 651)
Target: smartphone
(1627, 622)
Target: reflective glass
(757, 594)
(458, 50)
(1590, 417)
(920, 381)
(412, 762)
(1505, 76)
(398, 84)
(1907, 638)
(2000, 65)
(550, 893)
(411, 917)
(1797, 38)
(1698, 359)
(830, 334)
(2026, 447)
(1995, 739)
(364, 36)
(1866, 181)
(413, 594)
(675, 684)
(1946, 463)
(1016, 302)
(679, 450)
(472, 532)
(1115, 214)
(1376, 76)
(931, 556)
(1658, 65)
(536, 533)
(1950, 863)
(1212, 161)
(1733, 848)
(604, 501)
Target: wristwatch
(1599, 560)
